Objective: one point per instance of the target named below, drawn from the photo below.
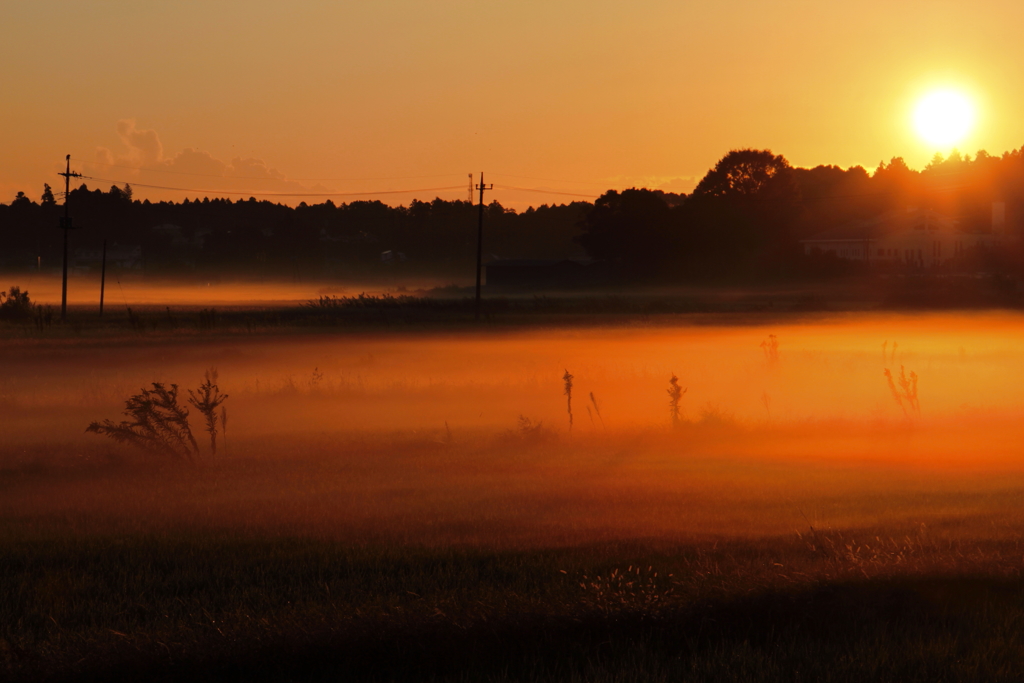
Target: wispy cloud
(142, 161)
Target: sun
(944, 117)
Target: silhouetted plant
(597, 409)
(43, 316)
(207, 399)
(675, 393)
(15, 304)
(207, 318)
(158, 423)
(528, 432)
(224, 426)
(567, 380)
(891, 358)
(906, 394)
(134, 320)
(770, 347)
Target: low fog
(465, 438)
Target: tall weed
(675, 393)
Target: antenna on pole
(65, 225)
(470, 200)
(480, 242)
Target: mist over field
(468, 434)
(132, 290)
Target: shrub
(528, 432)
(15, 304)
(159, 424)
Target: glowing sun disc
(944, 117)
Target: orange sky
(570, 96)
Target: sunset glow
(363, 97)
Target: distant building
(175, 235)
(913, 238)
(20, 258)
(119, 256)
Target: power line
(532, 189)
(214, 175)
(549, 180)
(264, 178)
(273, 194)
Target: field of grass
(415, 506)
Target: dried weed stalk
(207, 399)
(675, 393)
(906, 394)
(224, 425)
(770, 347)
(567, 380)
(597, 409)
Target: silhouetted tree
(632, 227)
(743, 172)
(740, 216)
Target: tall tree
(633, 227)
(744, 172)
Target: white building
(120, 256)
(914, 237)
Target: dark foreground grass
(231, 608)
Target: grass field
(414, 505)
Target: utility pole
(480, 242)
(103, 276)
(65, 224)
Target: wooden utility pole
(480, 242)
(103, 276)
(65, 224)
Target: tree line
(252, 237)
(744, 219)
